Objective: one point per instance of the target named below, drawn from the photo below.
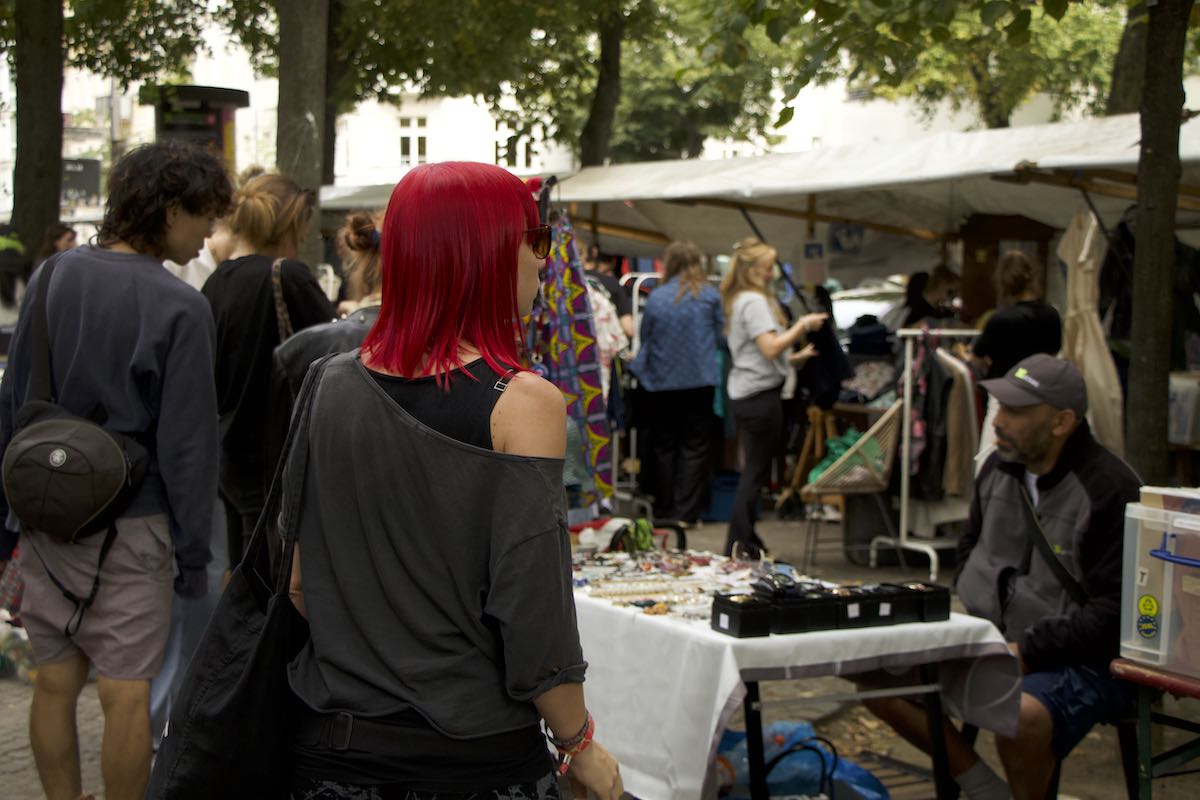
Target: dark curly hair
(148, 180)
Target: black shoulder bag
(1038, 537)
(230, 733)
(65, 475)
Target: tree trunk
(991, 111)
(38, 63)
(301, 116)
(1129, 67)
(597, 131)
(335, 73)
(1158, 184)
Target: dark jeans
(760, 432)
(243, 492)
(681, 425)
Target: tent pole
(812, 216)
(763, 239)
(916, 233)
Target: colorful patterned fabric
(562, 348)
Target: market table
(662, 689)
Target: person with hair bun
(1023, 325)
(760, 346)
(259, 295)
(361, 239)
(432, 561)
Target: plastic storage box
(1160, 596)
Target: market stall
(663, 684)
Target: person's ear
(1065, 421)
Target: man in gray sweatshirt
(132, 341)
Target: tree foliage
(988, 54)
(536, 65)
(972, 65)
(128, 40)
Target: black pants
(243, 492)
(760, 433)
(681, 425)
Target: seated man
(1046, 463)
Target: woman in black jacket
(259, 295)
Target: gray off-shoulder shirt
(436, 574)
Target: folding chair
(866, 468)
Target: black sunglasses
(539, 240)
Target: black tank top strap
(502, 382)
(464, 412)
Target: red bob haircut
(449, 263)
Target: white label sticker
(1143, 576)
(885, 609)
(852, 611)
(723, 621)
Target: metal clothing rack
(626, 491)
(929, 547)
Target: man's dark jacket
(1081, 506)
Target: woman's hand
(800, 357)
(598, 771)
(810, 323)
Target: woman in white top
(760, 343)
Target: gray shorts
(124, 633)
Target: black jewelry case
(741, 615)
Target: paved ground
(1093, 771)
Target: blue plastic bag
(812, 771)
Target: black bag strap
(40, 384)
(1038, 537)
(297, 436)
(82, 604)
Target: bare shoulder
(530, 418)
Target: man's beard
(1032, 453)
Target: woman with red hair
(436, 565)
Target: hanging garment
(563, 349)
(1082, 249)
(822, 376)
(610, 338)
(962, 438)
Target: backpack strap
(40, 383)
(82, 604)
(1038, 537)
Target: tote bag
(229, 736)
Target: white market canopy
(922, 189)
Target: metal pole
(761, 238)
(906, 442)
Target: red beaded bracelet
(575, 745)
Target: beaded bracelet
(569, 743)
(577, 744)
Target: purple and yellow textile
(562, 348)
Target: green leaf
(785, 116)
(1018, 38)
(777, 28)
(1020, 23)
(945, 10)
(993, 11)
(739, 23)
(940, 34)
(1055, 8)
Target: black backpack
(65, 475)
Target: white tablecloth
(662, 689)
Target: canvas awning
(906, 195)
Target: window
(414, 145)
